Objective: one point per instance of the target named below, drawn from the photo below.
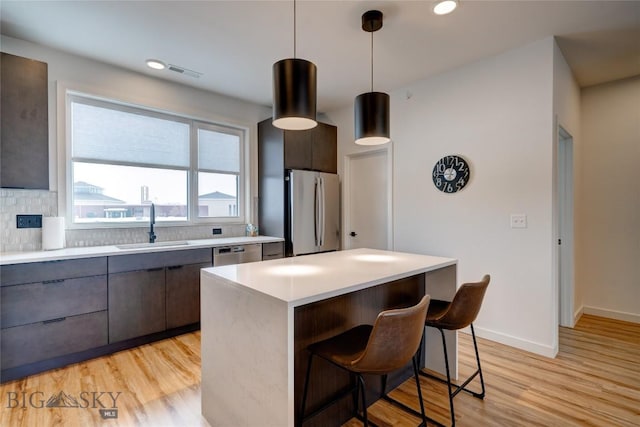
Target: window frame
(242, 181)
(71, 96)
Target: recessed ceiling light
(155, 64)
(444, 7)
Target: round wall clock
(451, 174)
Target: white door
(368, 200)
(565, 228)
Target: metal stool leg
(364, 400)
(446, 364)
(417, 377)
(475, 346)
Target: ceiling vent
(186, 72)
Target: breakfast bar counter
(257, 319)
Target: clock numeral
(449, 188)
(439, 182)
(460, 183)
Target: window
(124, 158)
(218, 172)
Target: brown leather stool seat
(386, 346)
(454, 315)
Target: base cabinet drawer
(272, 250)
(33, 272)
(53, 299)
(22, 345)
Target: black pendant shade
(371, 109)
(294, 94)
(372, 118)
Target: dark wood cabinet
(183, 294)
(59, 312)
(52, 299)
(312, 149)
(136, 304)
(153, 292)
(24, 143)
(35, 342)
(52, 309)
(324, 148)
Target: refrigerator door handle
(322, 211)
(316, 216)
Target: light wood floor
(595, 380)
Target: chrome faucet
(152, 220)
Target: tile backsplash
(45, 203)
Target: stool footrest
(458, 388)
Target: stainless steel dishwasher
(237, 254)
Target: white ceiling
(235, 43)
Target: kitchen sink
(152, 245)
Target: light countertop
(96, 251)
(304, 279)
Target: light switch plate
(518, 221)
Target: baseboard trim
(522, 344)
(612, 314)
(577, 315)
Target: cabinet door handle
(175, 267)
(59, 319)
(155, 269)
(50, 282)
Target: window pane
(217, 195)
(112, 193)
(218, 151)
(106, 134)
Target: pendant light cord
(294, 29)
(372, 61)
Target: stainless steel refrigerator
(312, 217)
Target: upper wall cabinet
(24, 145)
(313, 149)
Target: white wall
(498, 114)
(101, 79)
(608, 257)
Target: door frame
(387, 150)
(565, 212)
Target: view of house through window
(123, 159)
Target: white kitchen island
(258, 318)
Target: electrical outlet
(518, 221)
(29, 221)
(217, 231)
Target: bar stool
(455, 315)
(386, 346)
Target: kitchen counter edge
(111, 250)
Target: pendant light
(372, 108)
(294, 90)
